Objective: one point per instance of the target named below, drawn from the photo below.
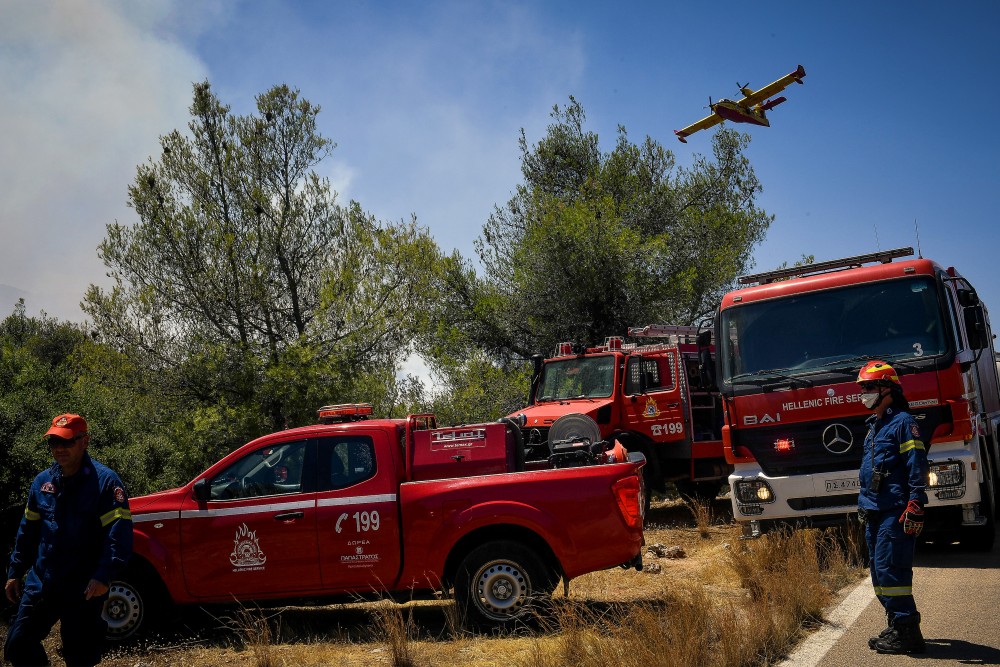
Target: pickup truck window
(345, 461)
(268, 471)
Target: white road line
(811, 651)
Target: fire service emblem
(247, 553)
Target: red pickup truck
(355, 506)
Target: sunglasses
(62, 443)
(869, 386)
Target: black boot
(885, 633)
(905, 637)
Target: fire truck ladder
(679, 333)
(884, 256)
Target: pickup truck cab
(355, 506)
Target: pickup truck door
(257, 533)
(653, 396)
(357, 510)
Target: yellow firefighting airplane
(751, 109)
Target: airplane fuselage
(729, 110)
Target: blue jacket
(74, 530)
(894, 446)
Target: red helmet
(878, 372)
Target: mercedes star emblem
(837, 439)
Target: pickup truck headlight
(946, 480)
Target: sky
(893, 134)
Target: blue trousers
(890, 551)
(82, 630)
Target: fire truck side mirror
(968, 298)
(975, 327)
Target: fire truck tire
(700, 491)
(502, 584)
(981, 538)
(135, 606)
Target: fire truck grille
(804, 452)
(809, 453)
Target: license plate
(852, 484)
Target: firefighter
(75, 536)
(893, 473)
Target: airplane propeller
(710, 104)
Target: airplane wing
(773, 88)
(703, 124)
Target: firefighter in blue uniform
(891, 502)
(76, 535)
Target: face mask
(871, 399)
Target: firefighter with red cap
(891, 502)
(76, 535)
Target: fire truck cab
(656, 398)
(791, 344)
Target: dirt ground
(358, 634)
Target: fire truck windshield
(810, 332)
(579, 377)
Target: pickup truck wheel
(133, 607)
(502, 584)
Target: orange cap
(67, 427)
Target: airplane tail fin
(799, 73)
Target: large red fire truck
(789, 349)
(659, 399)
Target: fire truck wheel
(700, 491)
(135, 605)
(981, 538)
(502, 584)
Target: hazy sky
(896, 121)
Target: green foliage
(594, 242)
(477, 389)
(245, 289)
(35, 385)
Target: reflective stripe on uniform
(31, 516)
(910, 444)
(117, 513)
(893, 591)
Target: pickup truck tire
(136, 604)
(502, 584)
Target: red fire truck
(659, 399)
(354, 507)
(790, 348)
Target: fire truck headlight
(946, 474)
(750, 491)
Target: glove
(912, 518)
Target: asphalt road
(958, 595)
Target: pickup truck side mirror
(202, 492)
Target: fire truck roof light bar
(884, 256)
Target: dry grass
(727, 603)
